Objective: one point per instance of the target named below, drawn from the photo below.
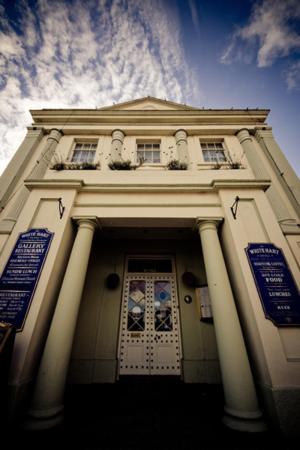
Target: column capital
(35, 132)
(208, 223)
(55, 134)
(118, 134)
(91, 222)
(263, 133)
(243, 135)
(180, 135)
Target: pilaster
(17, 165)
(7, 224)
(282, 169)
(260, 171)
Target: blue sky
(206, 53)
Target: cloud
(270, 34)
(293, 76)
(86, 54)
(194, 15)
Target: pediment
(148, 103)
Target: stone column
(182, 146)
(253, 157)
(7, 224)
(47, 405)
(116, 145)
(241, 407)
(258, 167)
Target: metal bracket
(234, 207)
(61, 208)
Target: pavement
(154, 414)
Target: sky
(204, 53)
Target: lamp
(112, 280)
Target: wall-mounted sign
(203, 303)
(21, 274)
(275, 283)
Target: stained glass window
(136, 305)
(163, 306)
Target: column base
(38, 420)
(243, 424)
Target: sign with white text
(21, 273)
(275, 283)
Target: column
(44, 160)
(116, 145)
(182, 146)
(7, 224)
(258, 167)
(47, 405)
(252, 155)
(241, 407)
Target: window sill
(214, 166)
(150, 166)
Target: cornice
(93, 116)
(214, 186)
(53, 184)
(155, 129)
(80, 186)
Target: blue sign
(276, 286)
(21, 274)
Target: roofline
(156, 111)
(177, 116)
(182, 106)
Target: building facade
(153, 238)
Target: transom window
(148, 152)
(84, 152)
(213, 152)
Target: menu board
(21, 273)
(275, 284)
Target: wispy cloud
(293, 76)
(271, 33)
(194, 15)
(86, 54)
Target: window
(150, 265)
(84, 152)
(148, 153)
(213, 152)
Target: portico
(241, 407)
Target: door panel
(150, 340)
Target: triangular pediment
(148, 103)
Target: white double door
(150, 337)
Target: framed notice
(203, 303)
(276, 286)
(21, 274)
